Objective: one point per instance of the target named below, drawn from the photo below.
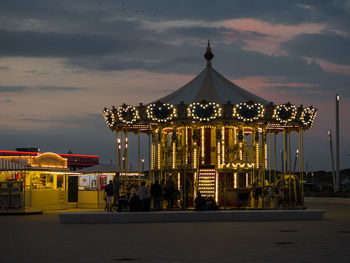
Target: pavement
(23, 211)
(41, 238)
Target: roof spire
(208, 55)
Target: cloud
(84, 120)
(12, 88)
(55, 88)
(51, 44)
(4, 68)
(89, 13)
(330, 47)
(6, 101)
(94, 138)
(213, 32)
(16, 89)
(233, 61)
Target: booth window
(88, 182)
(60, 181)
(42, 181)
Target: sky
(61, 62)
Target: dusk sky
(61, 62)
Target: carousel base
(21, 211)
(189, 216)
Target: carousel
(213, 137)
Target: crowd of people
(139, 198)
(166, 195)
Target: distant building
(74, 161)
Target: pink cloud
(330, 67)
(276, 33)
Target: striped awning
(7, 165)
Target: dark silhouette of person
(156, 192)
(200, 202)
(170, 191)
(143, 195)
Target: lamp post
(335, 186)
(338, 178)
(143, 163)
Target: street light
(338, 179)
(335, 186)
(143, 163)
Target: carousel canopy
(211, 86)
(210, 98)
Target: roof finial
(208, 55)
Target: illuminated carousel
(214, 137)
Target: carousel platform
(26, 211)
(189, 216)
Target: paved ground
(41, 238)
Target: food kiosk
(93, 181)
(45, 180)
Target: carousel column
(173, 145)
(194, 147)
(275, 159)
(300, 174)
(127, 159)
(123, 155)
(285, 153)
(289, 171)
(185, 168)
(202, 145)
(139, 153)
(116, 150)
(263, 156)
(253, 160)
(210, 144)
(257, 154)
(127, 151)
(197, 147)
(254, 177)
(223, 147)
(160, 153)
(220, 137)
(157, 153)
(218, 148)
(302, 164)
(150, 153)
(269, 159)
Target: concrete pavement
(42, 238)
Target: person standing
(170, 192)
(156, 192)
(143, 195)
(162, 184)
(109, 196)
(200, 202)
(116, 188)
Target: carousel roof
(210, 85)
(210, 98)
